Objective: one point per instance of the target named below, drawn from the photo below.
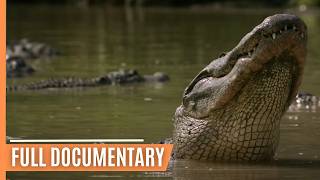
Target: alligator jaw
(277, 36)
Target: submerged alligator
(17, 67)
(112, 78)
(26, 49)
(19, 53)
(231, 110)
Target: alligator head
(232, 109)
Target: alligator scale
(231, 110)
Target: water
(179, 42)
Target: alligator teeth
(280, 32)
(249, 53)
(274, 35)
(285, 27)
(302, 35)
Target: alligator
(19, 53)
(231, 110)
(26, 49)
(119, 77)
(17, 67)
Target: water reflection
(194, 170)
(285, 169)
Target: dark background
(179, 3)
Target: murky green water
(179, 42)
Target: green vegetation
(179, 3)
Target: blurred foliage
(306, 2)
(177, 3)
